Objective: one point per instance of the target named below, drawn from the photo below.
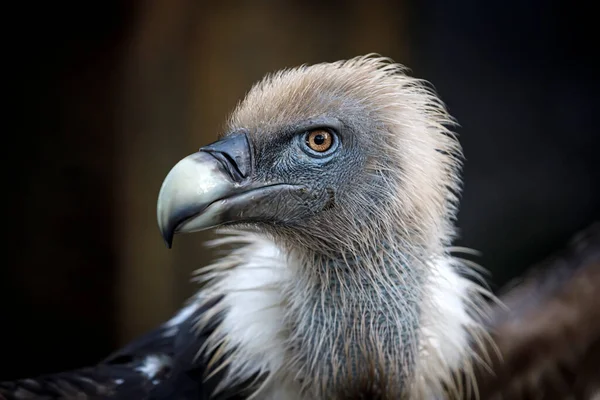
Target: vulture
(334, 189)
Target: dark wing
(163, 364)
(93, 383)
(548, 333)
(129, 375)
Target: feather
(547, 330)
(162, 364)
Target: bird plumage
(363, 281)
(547, 328)
(341, 282)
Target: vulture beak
(212, 187)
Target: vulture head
(339, 183)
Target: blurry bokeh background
(110, 95)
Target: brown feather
(548, 331)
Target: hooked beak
(214, 186)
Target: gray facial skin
(242, 179)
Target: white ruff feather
(256, 280)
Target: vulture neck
(388, 318)
(362, 311)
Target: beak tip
(167, 235)
(169, 242)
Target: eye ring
(319, 140)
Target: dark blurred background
(110, 95)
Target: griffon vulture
(336, 188)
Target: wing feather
(548, 331)
(162, 364)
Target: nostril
(234, 155)
(229, 165)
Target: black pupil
(319, 139)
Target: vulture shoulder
(547, 330)
(165, 363)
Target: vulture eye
(319, 140)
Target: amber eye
(319, 140)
